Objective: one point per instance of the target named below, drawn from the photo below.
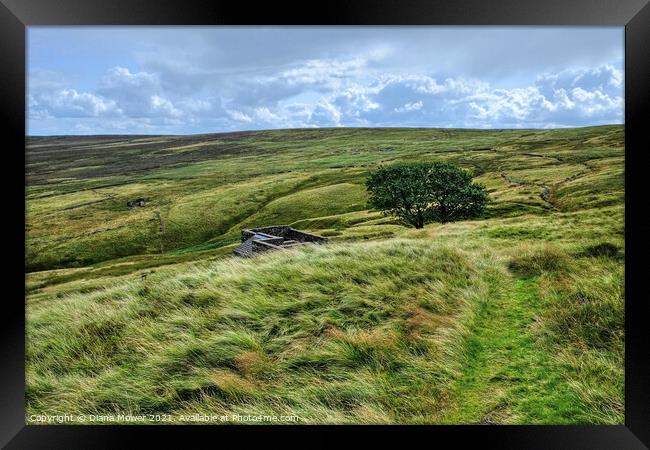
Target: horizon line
(321, 128)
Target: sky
(184, 80)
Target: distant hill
(204, 188)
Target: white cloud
(120, 77)
(70, 103)
(163, 107)
(327, 114)
(573, 97)
(328, 72)
(354, 91)
(240, 116)
(414, 106)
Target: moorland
(513, 317)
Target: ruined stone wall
(284, 233)
(279, 230)
(301, 236)
(246, 234)
(263, 246)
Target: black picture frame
(16, 15)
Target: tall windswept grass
(584, 324)
(360, 333)
(536, 260)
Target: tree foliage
(426, 192)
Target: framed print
(422, 217)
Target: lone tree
(426, 192)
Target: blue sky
(179, 80)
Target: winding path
(508, 377)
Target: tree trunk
(419, 220)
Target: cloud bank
(209, 80)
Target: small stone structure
(259, 240)
(138, 202)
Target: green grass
(526, 361)
(508, 378)
(516, 317)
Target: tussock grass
(602, 249)
(531, 262)
(365, 333)
(584, 321)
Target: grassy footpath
(548, 347)
(509, 377)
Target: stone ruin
(263, 239)
(137, 203)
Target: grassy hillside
(202, 190)
(516, 317)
